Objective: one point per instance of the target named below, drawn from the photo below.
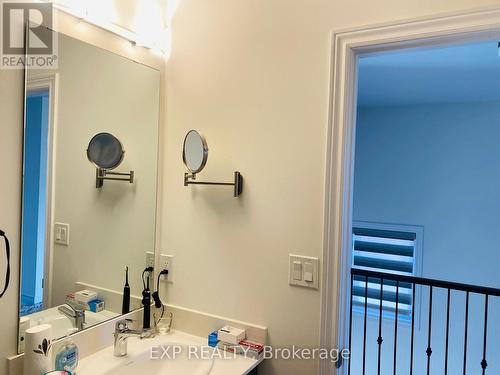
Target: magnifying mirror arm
(102, 174)
(238, 182)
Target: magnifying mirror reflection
(105, 151)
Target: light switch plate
(309, 267)
(61, 234)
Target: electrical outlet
(150, 259)
(167, 262)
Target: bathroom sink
(91, 318)
(139, 359)
(61, 323)
(140, 362)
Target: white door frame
(48, 82)
(446, 29)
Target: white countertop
(103, 362)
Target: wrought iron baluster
(412, 328)
(484, 363)
(396, 328)
(407, 282)
(364, 329)
(447, 332)
(350, 327)
(466, 331)
(380, 340)
(429, 349)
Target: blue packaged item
(213, 340)
(96, 305)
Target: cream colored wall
(253, 76)
(11, 125)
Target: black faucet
(146, 299)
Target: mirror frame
(49, 238)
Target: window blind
(387, 251)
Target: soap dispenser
(67, 357)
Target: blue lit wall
(34, 197)
(436, 166)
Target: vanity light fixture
(83, 14)
(195, 156)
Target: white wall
(254, 77)
(436, 166)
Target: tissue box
(85, 296)
(231, 335)
(249, 349)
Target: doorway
(348, 46)
(36, 194)
(426, 198)
(34, 200)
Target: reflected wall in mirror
(74, 236)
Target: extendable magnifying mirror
(195, 152)
(195, 156)
(106, 152)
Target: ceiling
(439, 75)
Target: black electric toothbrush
(126, 294)
(146, 299)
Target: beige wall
(253, 76)
(11, 125)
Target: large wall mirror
(83, 225)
